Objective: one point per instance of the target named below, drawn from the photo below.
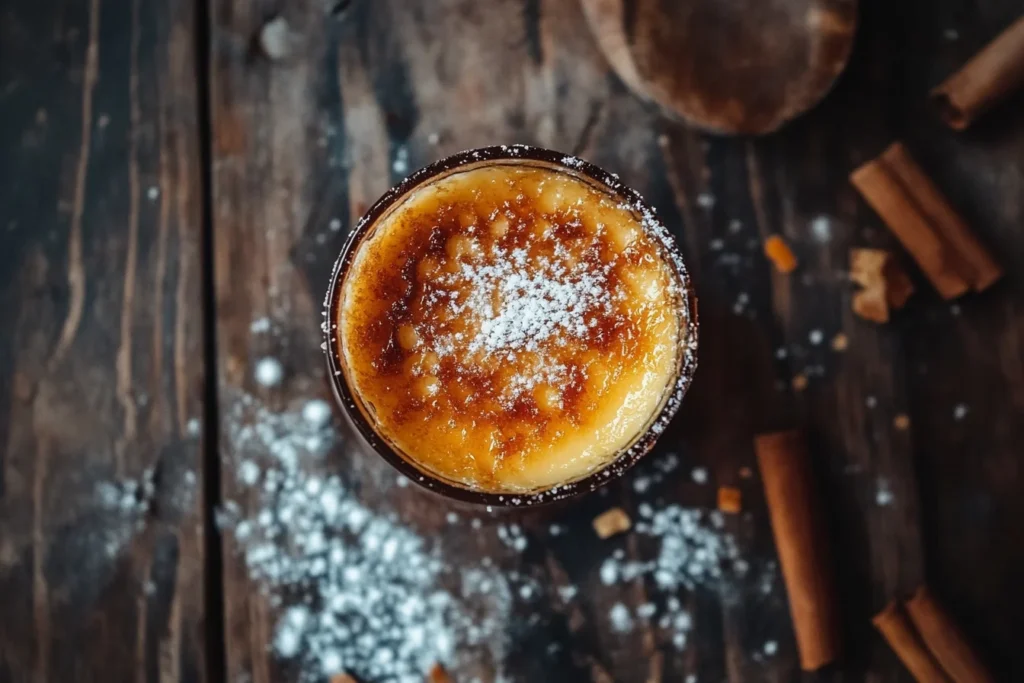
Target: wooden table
(166, 204)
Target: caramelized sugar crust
(510, 327)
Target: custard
(510, 327)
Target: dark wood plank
(965, 379)
(101, 552)
(370, 90)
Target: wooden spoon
(727, 66)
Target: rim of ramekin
(617, 465)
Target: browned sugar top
(491, 314)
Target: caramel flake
(779, 253)
(612, 522)
(730, 500)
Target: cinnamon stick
(925, 223)
(988, 77)
(945, 641)
(897, 630)
(800, 539)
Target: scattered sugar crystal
(269, 372)
(771, 647)
(883, 495)
(401, 163)
(816, 337)
(609, 572)
(821, 229)
(700, 475)
(153, 193)
(248, 472)
(870, 401)
(667, 464)
(194, 427)
(567, 593)
(620, 619)
(705, 200)
(951, 34)
(334, 225)
(512, 536)
(260, 325)
(781, 353)
(331, 662)
(433, 138)
(960, 411)
(290, 631)
(317, 412)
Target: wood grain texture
(101, 365)
(966, 384)
(99, 384)
(381, 87)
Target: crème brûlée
(511, 327)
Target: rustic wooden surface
(102, 363)
(100, 355)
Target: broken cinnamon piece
(730, 500)
(802, 545)
(611, 522)
(945, 641)
(901, 422)
(988, 77)
(840, 342)
(779, 253)
(870, 305)
(438, 675)
(897, 630)
(885, 284)
(925, 223)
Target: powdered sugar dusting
(694, 552)
(539, 301)
(378, 600)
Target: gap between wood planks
(213, 577)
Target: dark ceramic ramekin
(529, 156)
